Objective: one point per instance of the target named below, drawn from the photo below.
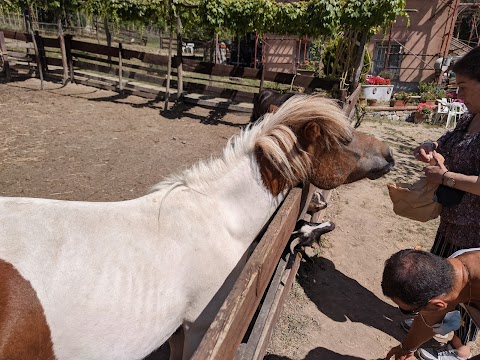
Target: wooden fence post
(120, 67)
(3, 49)
(68, 50)
(169, 69)
(29, 29)
(179, 59)
(41, 52)
(61, 40)
(263, 63)
(359, 60)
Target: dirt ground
(80, 143)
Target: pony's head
(309, 138)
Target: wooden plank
(224, 335)
(277, 306)
(350, 102)
(213, 103)
(94, 48)
(51, 42)
(234, 95)
(247, 350)
(147, 58)
(311, 82)
(16, 35)
(220, 69)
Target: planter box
(379, 92)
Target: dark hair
(469, 64)
(415, 277)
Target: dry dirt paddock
(80, 143)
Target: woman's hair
(469, 64)
(415, 277)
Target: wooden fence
(146, 74)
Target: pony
(267, 101)
(115, 280)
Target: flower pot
(379, 92)
(421, 117)
(397, 103)
(372, 102)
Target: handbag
(415, 201)
(448, 196)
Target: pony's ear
(272, 108)
(312, 131)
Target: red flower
(376, 80)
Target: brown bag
(415, 201)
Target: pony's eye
(347, 141)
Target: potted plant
(429, 92)
(400, 99)
(377, 87)
(371, 102)
(428, 98)
(423, 113)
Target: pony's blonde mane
(275, 136)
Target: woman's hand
(400, 354)
(424, 152)
(434, 173)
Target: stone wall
(400, 115)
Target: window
(395, 58)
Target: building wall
(280, 53)
(422, 38)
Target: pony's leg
(176, 343)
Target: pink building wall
(422, 38)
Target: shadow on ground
(318, 353)
(340, 298)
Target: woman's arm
(439, 174)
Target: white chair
(456, 109)
(442, 110)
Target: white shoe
(446, 352)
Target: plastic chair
(456, 109)
(442, 110)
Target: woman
(459, 224)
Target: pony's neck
(243, 199)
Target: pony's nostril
(390, 159)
